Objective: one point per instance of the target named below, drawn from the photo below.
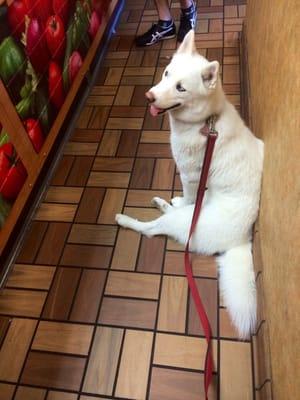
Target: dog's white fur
(232, 199)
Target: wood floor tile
(203, 266)
(93, 234)
(6, 391)
(143, 214)
(80, 149)
(63, 338)
(87, 135)
(4, 325)
(170, 384)
(109, 179)
(121, 164)
(150, 58)
(124, 95)
(86, 256)
(25, 303)
(30, 393)
(62, 172)
(30, 277)
(54, 239)
(99, 117)
(100, 100)
(128, 312)
(135, 364)
(139, 98)
(151, 254)
(128, 143)
(61, 396)
(208, 289)
(137, 80)
(84, 117)
(56, 212)
(126, 249)
(61, 295)
(135, 58)
(90, 205)
(80, 171)
(143, 198)
(182, 351)
(173, 304)
(53, 371)
(114, 75)
(163, 174)
(60, 194)
(236, 376)
(154, 150)
(128, 284)
(151, 123)
(112, 204)
(109, 143)
(155, 137)
(32, 242)
(227, 330)
(15, 347)
(127, 111)
(124, 123)
(103, 361)
(88, 296)
(141, 177)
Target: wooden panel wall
(273, 53)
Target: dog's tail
(237, 286)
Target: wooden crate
(11, 122)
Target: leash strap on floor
(208, 366)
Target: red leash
(209, 131)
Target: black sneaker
(188, 20)
(156, 33)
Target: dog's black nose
(150, 96)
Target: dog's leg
(162, 205)
(174, 224)
(189, 193)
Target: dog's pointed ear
(188, 44)
(210, 74)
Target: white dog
(191, 91)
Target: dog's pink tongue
(154, 111)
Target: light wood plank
(14, 348)
(112, 204)
(128, 284)
(172, 309)
(63, 338)
(236, 374)
(135, 364)
(109, 179)
(56, 212)
(61, 194)
(182, 351)
(126, 250)
(102, 366)
(93, 234)
(30, 277)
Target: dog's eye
(166, 73)
(180, 88)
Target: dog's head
(187, 81)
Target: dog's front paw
(178, 202)
(122, 220)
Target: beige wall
(274, 74)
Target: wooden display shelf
(32, 161)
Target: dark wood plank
(88, 296)
(62, 170)
(128, 143)
(53, 243)
(151, 254)
(80, 255)
(53, 371)
(32, 242)
(90, 205)
(61, 295)
(141, 177)
(80, 171)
